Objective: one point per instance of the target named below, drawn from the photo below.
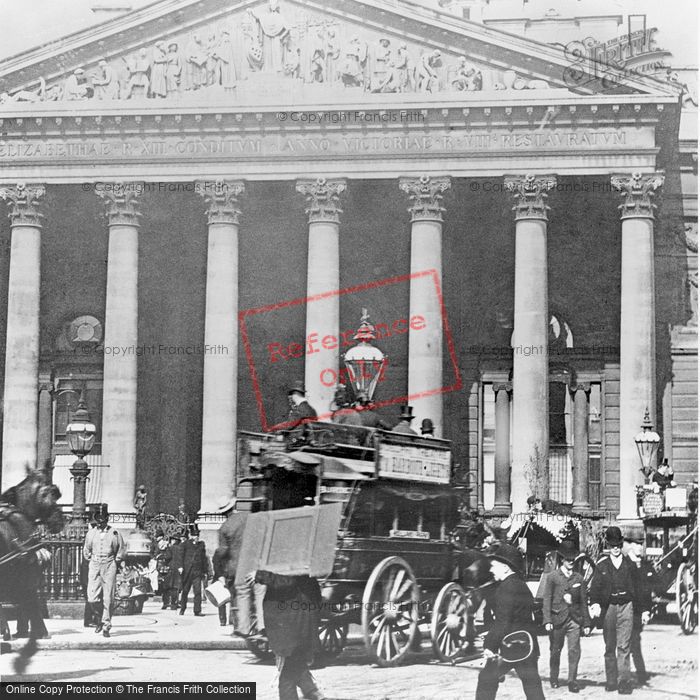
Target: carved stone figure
(195, 64)
(466, 78)
(106, 82)
(159, 87)
(381, 74)
(138, 76)
(212, 63)
(354, 62)
(273, 36)
(317, 67)
(75, 87)
(332, 51)
(403, 73)
(173, 69)
(225, 56)
(26, 95)
(293, 65)
(140, 500)
(427, 79)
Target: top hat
(508, 554)
(568, 550)
(613, 535)
(427, 426)
(406, 412)
(193, 529)
(297, 387)
(226, 504)
(100, 511)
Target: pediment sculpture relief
(273, 42)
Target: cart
(671, 535)
(396, 562)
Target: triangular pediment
(216, 51)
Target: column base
(502, 509)
(581, 507)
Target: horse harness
(18, 548)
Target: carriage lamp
(80, 433)
(364, 361)
(647, 442)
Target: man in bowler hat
(512, 605)
(565, 613)
(613, 595)
(301, 410)
(193, 566)
(104, 550)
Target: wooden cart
(396, 563)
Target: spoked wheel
(259, 646)
(687, 597)
(449, 623)
(390, 611)
(332, 636)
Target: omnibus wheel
(332, 636)
(687, 597)
(390, 611)
(450, 623)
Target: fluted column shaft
(21, 393)
(425, 336)
(530, 470)
(322, 277)
(637, 325)
(581, 394)
(502, 456)
(121, 331)
(220, 390)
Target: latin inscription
(440, 142)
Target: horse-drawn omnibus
(396, 563)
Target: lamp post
(365, 362)
(81, 433)
(647, 442)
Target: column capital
(580, 386)
(25, 207)
(121, 202)
(502, 386)
(530, 193)
(221, 197)
(637, 190)
(425, 193)
(322, 198)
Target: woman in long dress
(159, 87)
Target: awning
(347, 469)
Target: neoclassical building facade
(203, 197)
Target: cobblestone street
(670, 657)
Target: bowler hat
(613, 535)
(508, 554)
(297, 387)
(568, 550)
(427, 426)
(406, 412)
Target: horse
(34, 500)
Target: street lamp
(647, 442)
(80, 433)
(365, 362)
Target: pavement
(151, 629)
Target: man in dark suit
(193, 566)
(614, 590)
(301, 411)
(404, 424)
(565, 612)
(641, 613)
(512, 605)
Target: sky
(25, 24)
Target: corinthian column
(637, 320)
(322, 276)
(21, 397)
(425, 296)
(530, 473)
(220, 391)
(120, 368)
